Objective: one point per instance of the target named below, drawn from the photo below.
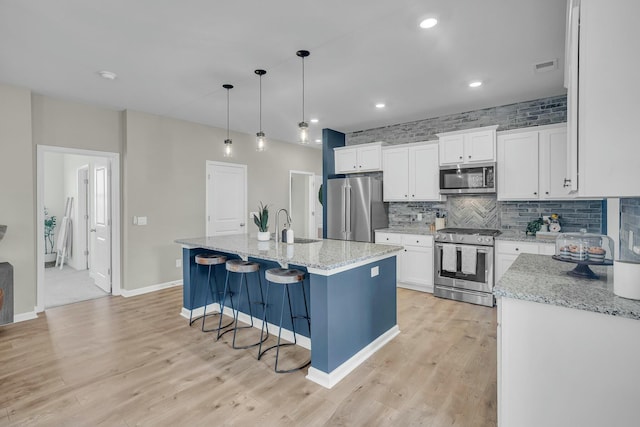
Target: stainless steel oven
(468, 179)
(464, 265)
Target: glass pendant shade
(303, 133)
(261, 141)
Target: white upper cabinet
(532, 164)
(603, 40)
(410, 172)
(358, 158)
(468, 146)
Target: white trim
(347, 267)
(147, 289)
(22, 317)
(114, 161)
(287, 335)
(328, 380)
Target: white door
(226, 199)
(101, 226)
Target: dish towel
(469, 257)
(449, 258)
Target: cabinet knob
(405, 195)
(546, 192)
(469, 156)
(460, 157)
(517, 249)
(535, 193)
(413, 195)
(567, 183)
(360, 166)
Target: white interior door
(101, 226)
(226, 200)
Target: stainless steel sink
(304, 240)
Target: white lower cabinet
(560, 366)
(415, 261)
(508, 251)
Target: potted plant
(262, 221)
(49, 227)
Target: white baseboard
(147, 289)
(332, 378)
(21, 317)
(287, 335)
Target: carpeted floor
(67, 286)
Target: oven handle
(481, 249)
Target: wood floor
(134, 361)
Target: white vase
(263, 236)
(50, 257)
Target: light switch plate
(178, 263)
(142, 220)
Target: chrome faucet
(278, 224)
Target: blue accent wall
(330, 139)
(349, 310)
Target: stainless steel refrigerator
(355, 208)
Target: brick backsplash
(629, 221)
(538, 112)
(486, 212)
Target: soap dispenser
(290, 235)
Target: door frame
(311, 200)
(114, 161)
(83, 209)
(208, 163)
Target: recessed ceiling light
(477, 83)
(428, 23)
(314, 120)
(109, 75)
(318, 141)
(380, 105)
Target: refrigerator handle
(348, 209)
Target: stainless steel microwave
(468, 179)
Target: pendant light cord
(303, 88)
(260, 102)
(227, 113)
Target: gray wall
(163, 177)
(17, 194)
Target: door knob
(93, 230)
(242, 224)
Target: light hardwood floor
(134, 361)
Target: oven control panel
(465, 239)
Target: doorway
(88, 182)
(302, 203)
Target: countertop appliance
(468, 179)
(464, 265)
(355, 208)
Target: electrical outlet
(135, 220)
(178, 263)
(419, 217)
(142, 220)
(375, 271)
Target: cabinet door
(553, 163)
(369, 158)
(518, 166)
(395, 174)
(345, 160)
(424, 173)
(418, 266)
(451, 149)
(480, 146)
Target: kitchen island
(351, 288)
(568, 347)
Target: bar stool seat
(209, 260)
(238, 266)
(286, 277)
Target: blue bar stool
(286, 277)
(243, 268)
(208, 260)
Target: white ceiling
(172, 57)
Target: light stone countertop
(322, 255)
(540, 278)
(423, 231)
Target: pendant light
(228, 152)
(303, 127)
(261, 141)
